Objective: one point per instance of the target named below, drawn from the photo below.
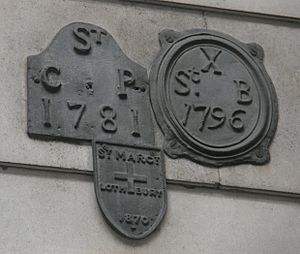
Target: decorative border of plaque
(213, 98)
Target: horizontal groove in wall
(256, 14)
(7, 165)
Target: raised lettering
(98, 35)
(49, 79)
(120, 156)
(82, 36)
(141, 158)
(126, 78)
(243, 88)
(211, 62)
(182, 78)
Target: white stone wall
(57, 213)
(285, 9)
(43, 212)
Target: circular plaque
(213, 99)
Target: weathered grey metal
(83, 87)
(213, 99)
(130, 186)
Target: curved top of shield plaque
(83, 87)
(213, 98)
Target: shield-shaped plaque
(130, 187)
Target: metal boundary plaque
(213, 98)
(130, 186)
(83, 88)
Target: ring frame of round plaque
(213, 98)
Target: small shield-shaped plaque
(130, 187)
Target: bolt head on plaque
(213, 98)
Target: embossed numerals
(107, 113)
(46, 105)
(135, 220)
(77, 106)
(109, 124)
(217, 114)
(136, 123)
(186, 78)
(84, 37)
(235, 121)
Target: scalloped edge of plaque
(259, 154)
